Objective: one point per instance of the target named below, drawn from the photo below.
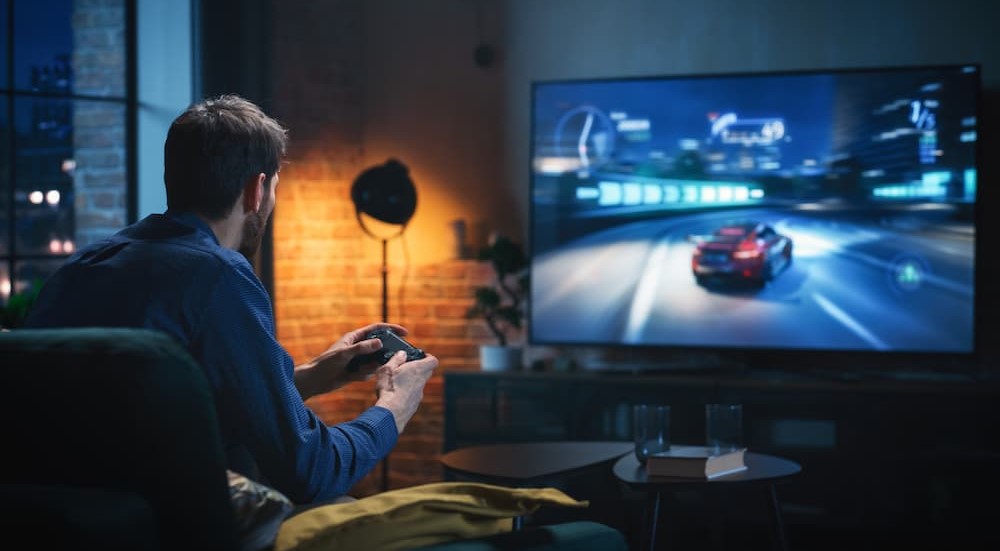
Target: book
(695, 462)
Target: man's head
(214, 149)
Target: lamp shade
(385, 192)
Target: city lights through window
(65, 134)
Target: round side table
(765, 470)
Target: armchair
(111, 442)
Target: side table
(762, 470)
(530, 463)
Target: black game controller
(391, 343)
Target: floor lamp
(385, 193)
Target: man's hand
(400, 386)
(328, 371)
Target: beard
(253, 232)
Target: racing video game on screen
(810, 210)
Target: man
(186, 272)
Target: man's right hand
(400, 386)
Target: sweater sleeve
(260, 407)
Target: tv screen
(809, 211)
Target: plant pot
(494, 357)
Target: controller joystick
(391, 343)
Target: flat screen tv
(759, 214)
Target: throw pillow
(413, 517)
(258, 510)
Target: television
(775, 217)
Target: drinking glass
(651, 427)
(724, 427)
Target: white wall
(165, 75)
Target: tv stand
(864, 375)
(899, 453)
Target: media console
(885, 459)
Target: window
(67, 120)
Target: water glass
(651, 427)
(724, 427)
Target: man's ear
(253, 193)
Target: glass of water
(651, 427)
(724, 427)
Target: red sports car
(749, 251)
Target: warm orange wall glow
(328, 281)
(327, 270)
(447, 196)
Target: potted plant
(502, 303)
(15, 310)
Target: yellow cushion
(416, 516)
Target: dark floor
(741, 521)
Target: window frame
(129, 102)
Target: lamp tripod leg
(385, 318)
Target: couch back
(120, 410)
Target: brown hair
(213, 148)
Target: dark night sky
(42, 31)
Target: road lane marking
(645, 293)
(849, 322)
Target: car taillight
(745, 255)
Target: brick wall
(327, 270)
(326, 284)
(98, 63)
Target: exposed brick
(98, 63)
(114, 178)
(451, 310)
(327, 271)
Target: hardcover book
(695, 462)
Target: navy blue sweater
(169, 272)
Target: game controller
(391, 343)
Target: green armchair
(111, 442)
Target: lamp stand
(384, 193)
(384, 478)
(384, 481)
(385, 281)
